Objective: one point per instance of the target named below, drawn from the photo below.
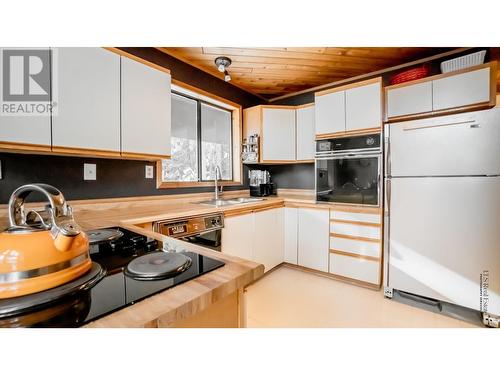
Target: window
(183, 166)
(201, 137)
(215, 142)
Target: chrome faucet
(217, 177)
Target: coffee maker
(260, 183)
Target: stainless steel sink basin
(230, 201)
(247, 199)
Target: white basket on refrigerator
(462, 62)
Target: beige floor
(289, 297)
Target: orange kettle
(41, 249)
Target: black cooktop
(115, 291)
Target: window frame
(200, 97)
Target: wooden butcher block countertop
(192, 297)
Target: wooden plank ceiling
(272, 72)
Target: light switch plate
(149, 171)
(89, 172)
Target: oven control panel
(190, 226)
(346, 144)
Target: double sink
(230, 201)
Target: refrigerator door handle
(471, 122)
(388, 194)
(387, 238)
(388, 157)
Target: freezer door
(456, 145)
(444, 239)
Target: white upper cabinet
(26, 130)
(363, 107)
(305, 133)
(330, 112)
(353, 107)
(443, 93)
(313, 238)
(409, 99)
(145, 109)
(462, 89)
(278, 128)
(88, 115)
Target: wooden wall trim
(353, 222)
(357, 238)
(353, 255)
(250, 210)
(315, 206)
(349, 133)
(75, 151)
(14, 146)
(356, 209)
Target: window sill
(175, 185)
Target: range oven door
(210, 240)
(349, 178)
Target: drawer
(355, 268)
(356, 230)
(355, 216)
(371, 249)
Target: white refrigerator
(442, 208)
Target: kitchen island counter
(215, 299)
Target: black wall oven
(348, 170)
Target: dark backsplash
(290, 176)
(118, 178)
(115, 177)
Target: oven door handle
(348, 156)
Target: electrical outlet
(89, 172)
(149, 171)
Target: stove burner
(17, 305)
(98, 236)
(157, 266)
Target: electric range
(117, 289)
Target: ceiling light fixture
(222, 63)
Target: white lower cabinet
(355, 268)
(355, 245)
(238, 236)
(256, 236)
(313, 237)
(268, 238)
(290, 234)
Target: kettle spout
(64, 233)
(63, 242)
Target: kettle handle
(53, 195)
